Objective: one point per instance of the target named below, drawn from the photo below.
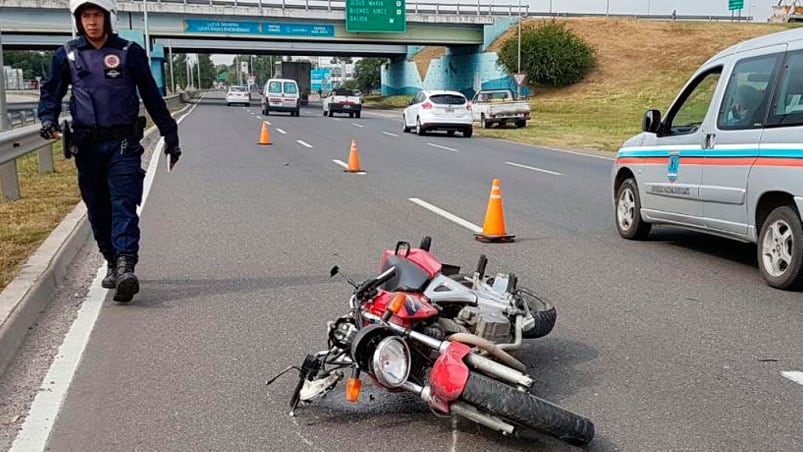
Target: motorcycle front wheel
(526, 410)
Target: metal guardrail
(18, 142)
(471, 7)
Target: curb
(40, 277)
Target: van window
(689, 116)
(744, 104)
(290, 88)
(275, 87)
(787, 107)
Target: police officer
(105, 72)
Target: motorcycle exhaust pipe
(469, 412)
(516, 344)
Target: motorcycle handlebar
(369, 286)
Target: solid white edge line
(304, 143)
(554, 173)
(794, 375)
(449, 216)
(35, 431)
(390, 134)
(442, 147)
(281, 131)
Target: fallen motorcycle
(390, 337)
(491, 307)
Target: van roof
(782, 37)
(281, 80)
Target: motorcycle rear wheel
(542, 310)
(527, 410)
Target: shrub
(550, 54)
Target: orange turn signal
(397, 302)
(353, 386)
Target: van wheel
(467, 132)
(780, 249)
(628, 212)
(520, 124)
(484, 123)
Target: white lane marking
(45, 408)
(454, 434)
(442, 147)
(794, 375)
(281, 131)
(304, 143)
(336, 119)
(357, 125)
(449, 216)
(554, 173)
(390, 134)
(346, 166)
(259, 117)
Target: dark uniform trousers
(110, 178)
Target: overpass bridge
(308, 27)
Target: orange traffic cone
(494, 228)
(264, 138)
(354, 159)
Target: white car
(439, 110)
(238, 95)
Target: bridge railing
(468, 7)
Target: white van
(727, 158)
(281, 95)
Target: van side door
(779, 167)
(673, 166)
(732, 146)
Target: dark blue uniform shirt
(54, 89)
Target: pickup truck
(342, 100)
(499, 106)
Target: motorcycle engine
(489, 325)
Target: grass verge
(46, 200)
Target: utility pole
(518, 58)
(147, 34)
(170, 55)
(198, 59)
(4, 125)
(189, 73)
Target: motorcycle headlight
(391, 362)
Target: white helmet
(110, 6)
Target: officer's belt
(104, 134)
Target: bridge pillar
(157, 56)
(461, 68)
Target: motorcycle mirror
(335, 270)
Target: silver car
(727, 158)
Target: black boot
(127, 282)
(110, 281)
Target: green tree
(33, 64)
(208, 72)
(180, 70)
(368, 73)
(550, 55)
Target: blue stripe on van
(724, 153)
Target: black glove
(174, 152)
(49, 130)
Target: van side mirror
(652, 121)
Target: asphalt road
(670, 344)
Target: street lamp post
(518, 57)
(607, 7)
(147, 34)
(4, 124)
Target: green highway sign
(376, 16)
(733, 5)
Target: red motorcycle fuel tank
(416, 308)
